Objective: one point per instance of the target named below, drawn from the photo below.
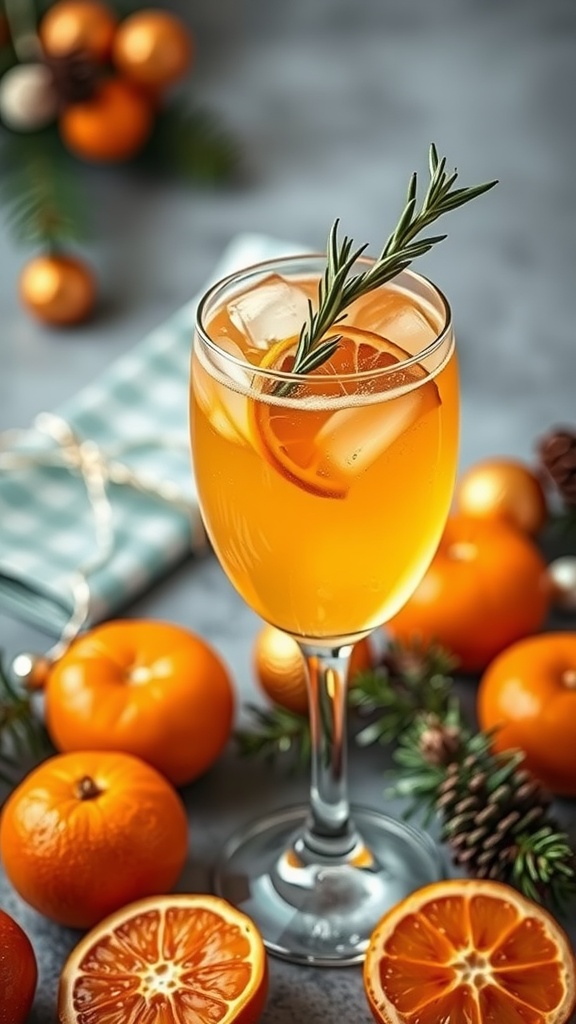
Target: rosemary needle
(337, 289)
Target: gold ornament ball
(78, 25)
(562, 576)
(280, 672)
(31, 670)
(28, 99)
(504, 489)
(153, 49)
(58, 289)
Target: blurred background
(332, 104)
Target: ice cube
(393, 315)
(272, 311)
(353, 438)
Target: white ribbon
(98, 467)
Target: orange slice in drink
(179, 959)
(469, 951)
(322, 447)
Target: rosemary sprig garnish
(337, 290)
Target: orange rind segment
(224, 407)
(178, 959)
(322, 448)
(469, 950)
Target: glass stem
(329, 831)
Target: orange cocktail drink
(324, 418)
(324, 496)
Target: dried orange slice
(469, 951)
(322, 448)
(178, 959)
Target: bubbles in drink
(270, 312)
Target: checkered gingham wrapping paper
(46, 522)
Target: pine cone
(557, 453)
(440, 743)
(405, 660)
(481, 824)
(75, 76)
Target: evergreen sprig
(337, 290)
(23, 736)
(277, 731)
(412, 678)
(40, 191)
(539, 860)
(191, 143)
(417, 779)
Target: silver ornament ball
(28, 99)
(31, 670)
(562, 575)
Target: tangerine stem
(86, 789)
(328, 831)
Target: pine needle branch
(276, 731)
(191, 143)
(494, 814)
(40, 191)
(411, 678)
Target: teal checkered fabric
(138, 408)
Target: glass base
(321, 910)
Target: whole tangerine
(528, 697)
(109, 127)
(487, 586)
(18, 971)
(152, 689)
(86, 833)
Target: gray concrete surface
(334, 103)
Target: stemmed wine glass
(324, 416)
(324, 495)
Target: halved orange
(323, 446)
(178, 959)
(469, 951)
